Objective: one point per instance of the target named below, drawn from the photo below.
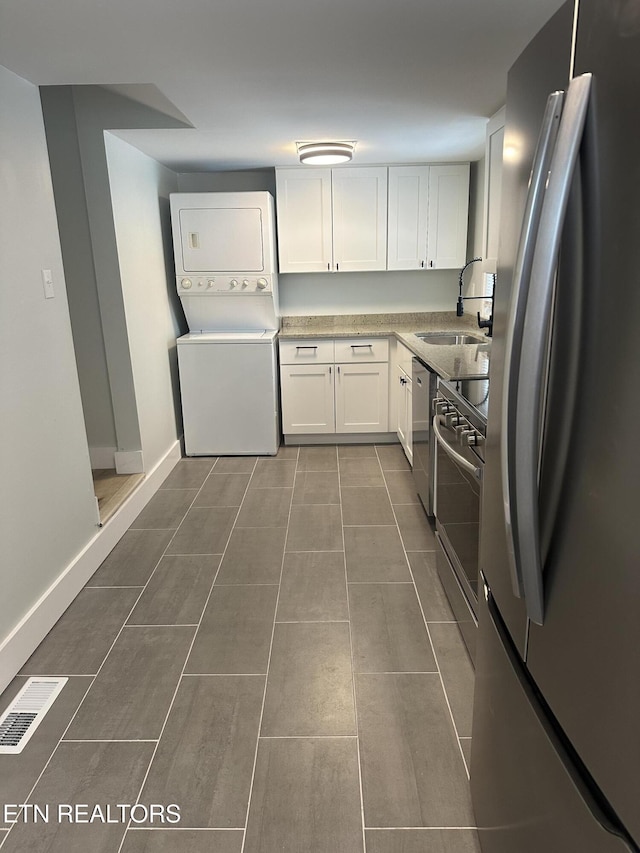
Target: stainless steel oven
(459, 429)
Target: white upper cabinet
(448, 216)
(359, 218)
(408, 209)
(492, 189)
(305, 220)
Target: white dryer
(224, 247)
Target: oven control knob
(233, 283)
(185, 284)
(210, 283)
(245, 282)
(262, 283)
(452, 418)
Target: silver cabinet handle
(531, 375)
(458, 458)
(513, 336)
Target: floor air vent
(26, 712)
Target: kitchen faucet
(482, 324)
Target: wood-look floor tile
(416, 531)
(309, 688)
(457, 673)
(235, 633)
(313, 588)
(362, 506)
(316, 487)
(105, 774)
(18, 773)
(265, 508)
(235, 464)
(254, 555)
(130, 697)
(305, 798)
(413, 774)
(401, 487)
(388, 631)
(182, 841)
(375, 555)
(356, 451)
(360, 471)
(205, 757)
(223, 490)
(133, 559)
(421, 840)
(431, 593)
(80, 640)
(273, 473)
(177, 592)
(165, 510)
(318, 459)
(205, 530)
(315, 528)
(189, 473)
(392, 457)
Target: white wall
(368, 292)
(140, 190)
(47, 506)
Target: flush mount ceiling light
(325, 153)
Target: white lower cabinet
(404, 426)
(307, 398)
(350, 396)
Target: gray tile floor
(269, 648)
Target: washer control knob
(262, 283)
(233, 283)
(185, 284)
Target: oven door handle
(458, 458)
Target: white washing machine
(229, 392)
(224, 248)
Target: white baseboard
(16, 649)
(102, 457)
(129, 462)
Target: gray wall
(47, 507)
(76, 118)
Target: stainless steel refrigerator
(555, 763)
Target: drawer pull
(308, 347)
(357, 346)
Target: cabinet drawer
(361, 349)
(317, 351)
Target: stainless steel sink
(450, 338)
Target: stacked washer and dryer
(224, 247)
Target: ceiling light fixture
(325, 153)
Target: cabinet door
(407, 227)
(304, 220)
(448, 216)
(362, 397)
(307, 398)
(359, 218)
(401, 390)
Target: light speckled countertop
(468, 361)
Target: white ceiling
(410, 80)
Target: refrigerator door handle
(513, 337)
(531, 374)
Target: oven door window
(458, 508)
